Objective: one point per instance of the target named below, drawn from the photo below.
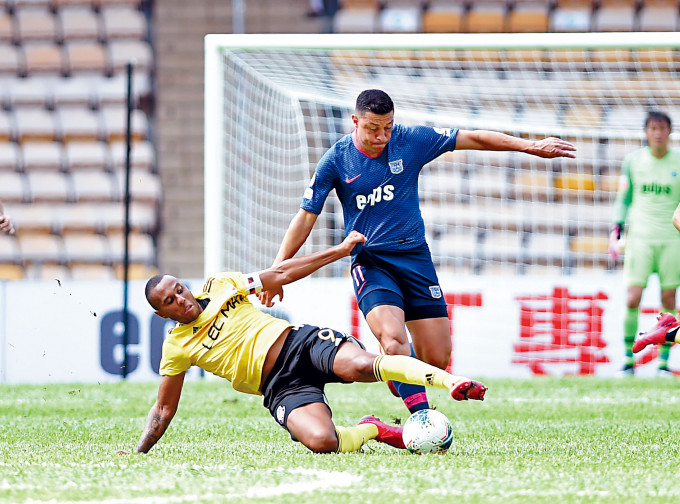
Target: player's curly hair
(374, 100)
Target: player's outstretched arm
(162, 412)
(550, 147)
(296, 268)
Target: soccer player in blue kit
(374, 171)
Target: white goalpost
(275, 103)
(519, 242)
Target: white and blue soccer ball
(427, 431)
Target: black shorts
(302, 370)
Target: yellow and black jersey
(230, 338)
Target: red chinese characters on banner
(561, 331)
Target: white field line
(318, 480)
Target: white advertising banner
(501, 326)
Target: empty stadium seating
(62, 130)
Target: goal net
(275, 103)
(519, 242)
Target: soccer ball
(427, 431)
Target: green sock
(630, 327)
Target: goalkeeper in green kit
(649, 193)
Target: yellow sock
(350, 439)
(409, 370)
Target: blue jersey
(379, 196)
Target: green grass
(572, 440)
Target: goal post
(274, 103)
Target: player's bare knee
(393, 346)
(321, 440)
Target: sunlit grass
(569, 440)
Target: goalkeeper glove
(614, 237)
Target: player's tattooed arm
(156, 425)
(162, 412)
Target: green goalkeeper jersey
(649, 192)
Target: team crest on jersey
(396, 166)
(280, 414)
(435, 291)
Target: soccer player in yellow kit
(220, 331)
(650, 188)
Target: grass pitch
(571, 440)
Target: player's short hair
(656, 115)
(374, 100)
(151, 285)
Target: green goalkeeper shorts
(642, 258)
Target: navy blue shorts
(404, 278)
(302, 369)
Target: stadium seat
(92, 272)
(6, 130)
(43, 156)
(122, 52)
(87, 156)
(443, 16)
(628, 118)
(78, 23)
(355, 20)
(9, 248)
(85, 56)
(7, 27)
(142, 156)
(655, 18)
(37, 218)
(41, 248)
(141, 248)
(43, 57)
(102, 4)
(49, 186)
(36, 24)
(94, 186)
(32, 91)
(487, 17)
(9, 272)
(66, 4)
(114, 121)
(500, 245)
(13, 187)
(119, 21)
(47, 271)
(86, 248)
(11, 60)
(34, 124)
(658, 58)
(399, 17)
(583, 117)
(546, 248)
(78, 123)
(618, 18)
(136, 271)
(575, 18)
(529, 17)
(144, 186)
(80, 217)
(533, 185)
(10, 156)
(74, 90)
